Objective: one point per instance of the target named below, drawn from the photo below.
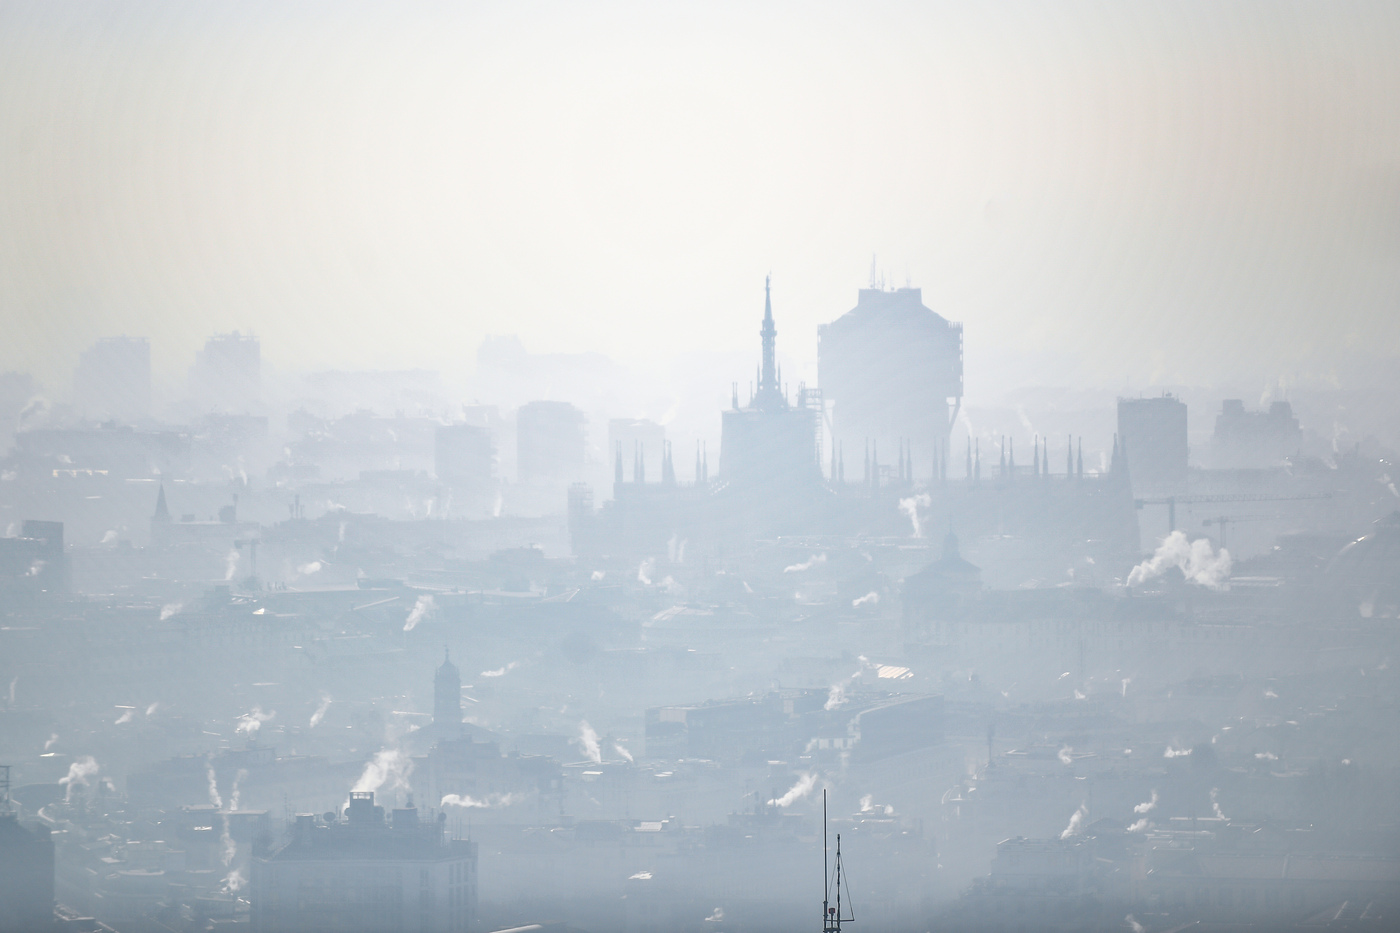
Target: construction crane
(1171, 501)
(1225, 521)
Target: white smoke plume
(151, 710)
(422, 608)
(1133, 925)
(871, 598)
(588, 741)
(836, 696)
(169, 609)
(307, 570)
(868, 805)
(1198, 562)
(1146, 806)
(617, 747)
(808, 564)
(1076, 822)
(125, 717)
(78, 773)
(490, 801)
(53, 739)
(716, 916)
(1126, 681)
(233, 795)
(597, 575)
(1066, 755)
(230, 564)
(1215, 804)
(501, 671)
(796, 792)
(320, 712)
(233, 882)
(387, 766)
(1140, 826)
(644, 572)
(911, 508)
(14, 682)
(640, 876)
(228, 848)
(1176, 752)
(250, 722)
(215, 800)
(110, 537)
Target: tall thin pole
(826, 887)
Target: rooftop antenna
(874, 280)
(832, 916)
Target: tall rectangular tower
(893, 371)
(1153, 433)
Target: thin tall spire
(768, 389)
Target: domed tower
(447, 695)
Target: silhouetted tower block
(227, 373)
(113, 379)
(26, 876)
(1254, 439)
(550, 443)
(447, 695)
(1152, 435)
(892, 368)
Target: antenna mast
(832, 917)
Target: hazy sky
(1101, 193)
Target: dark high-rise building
(227, 373)
(1253, 439)
(1153, 433)
(549, 443)
(892, 370)
(769, 447)
(113, 379)
(26, 876)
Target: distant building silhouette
(363, 873)
(892, 370)
(768, 448)
(26, 876)
(1152, 431)
(1253, 439)
(642, 444)
(227, 373)
(113, 379)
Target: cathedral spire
(768, 390)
